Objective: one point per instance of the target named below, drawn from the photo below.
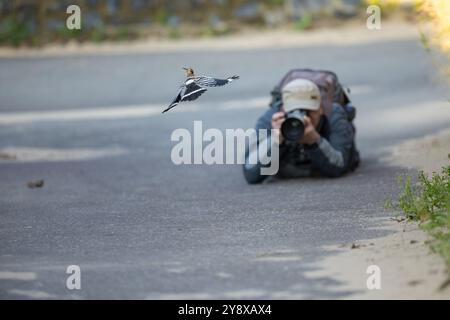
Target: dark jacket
(334, 155)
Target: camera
(293, 127)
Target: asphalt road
(141, 227)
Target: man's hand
(311, 135)
(277, 120)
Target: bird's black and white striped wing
(213, 82)
(192, 91)
(175, 101)
(188, 92)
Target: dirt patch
(429, 153)
(408, 269)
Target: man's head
(303, 94)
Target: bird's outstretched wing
(189, 92)
(192, 92)
(175, 101)
(213, 82)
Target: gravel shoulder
(429, 153)
(409, 269)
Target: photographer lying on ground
(313, 128)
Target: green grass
(98, 34)
(161, 16)
(174, 33)
(13, 32)
(304, 23)
(425, 41)
(215, 32)
(428, 202)
(65, 33)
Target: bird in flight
(194, 86)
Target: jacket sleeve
(331, 157)
(252, 172)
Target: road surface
(141, 227)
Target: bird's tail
(233, 78)
(168, 108)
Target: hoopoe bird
(194, 86)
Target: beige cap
(300, 94)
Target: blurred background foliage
(434, 16)
(437, 12)
(35, 23)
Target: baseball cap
(300, 94)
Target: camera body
(293, 127)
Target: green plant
(123, 33)
(161, 16)
(304, 23)
(66, 33)
(174, 33)
(386, 6)
(98, 34)
(428, 201)
(425, 41)
(13, 31)
(215, 32)
(274, 3)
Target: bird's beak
(185, 68)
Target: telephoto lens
(293, 127)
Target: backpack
(330, 90)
